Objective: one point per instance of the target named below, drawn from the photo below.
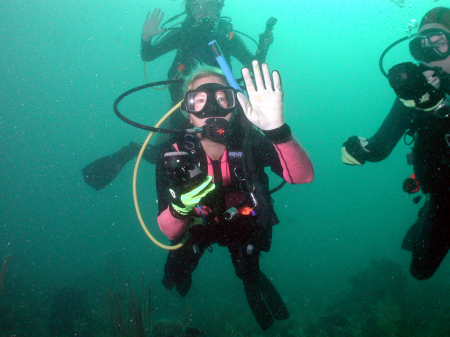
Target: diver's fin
(272, 298)
(102, 171)
(259, 308)
(184, 286)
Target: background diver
(201, 25)
(231, 200)
(422, 111)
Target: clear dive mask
(206, 13)
(209, 7)
(210, 100)
(430, 45)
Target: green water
(62, 65)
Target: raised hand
(151, 24)
(265, 108)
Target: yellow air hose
(136, 168)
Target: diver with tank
(212, 189)
(210, 179)
(420, 115)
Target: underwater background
(76, 261)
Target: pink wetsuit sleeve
(172, 227)
(297, 167)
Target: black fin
(272, 298)
(259, 308)
(104, 170)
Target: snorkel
(223, 64)
(249, 167)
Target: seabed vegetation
(381, 301)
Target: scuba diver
(421, 111)
(212, 188)
(202, 24)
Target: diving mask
(430, 45)
(210, 100)
(208, 7)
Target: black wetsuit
(192, 47)
(429, 237)
(245, 236)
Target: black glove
(412, 87)
(353, 151)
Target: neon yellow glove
(189, 194)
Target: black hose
(247, 36)
(138, 125)
(392, 45)
(275, 189)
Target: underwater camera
(412, 87)
(178, 169)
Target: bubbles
(399, 3)
(413, 24)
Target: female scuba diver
(229, 204)
(422, 111)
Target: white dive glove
(265, 109)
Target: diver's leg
(179, 267)
(433, 239)
(409, 242)
(247, 269)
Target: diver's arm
(167, 43)
(171, 226)
(296, 165)
(264, 109)
(390, 132)
(280, 150)
(237, 48)
(358, 150)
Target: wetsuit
(244, 235)
(192, 47)
(429, 237)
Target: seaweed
(130, 314)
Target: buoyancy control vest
(264, 215)
(432, 152)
